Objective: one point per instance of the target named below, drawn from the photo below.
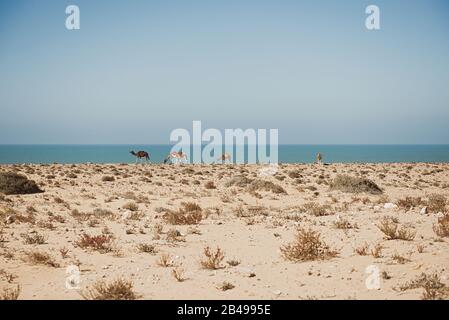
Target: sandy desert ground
(291, 234)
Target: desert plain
(294, 231)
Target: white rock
(277, 292)
(376, 208)
(423, 210)
(390, 205)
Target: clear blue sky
(138, 69)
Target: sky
(136, 70)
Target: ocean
(16, 154)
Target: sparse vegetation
(131, 206)
(165, 260)
(33, 238)
(410, 202)
(343, 223)
(226, 286)
(434, 289)
(210, 185)
(436, 203)
(238, 181)
(307, 246)
(441, 228)
(179, 274)
(233, 262)
(212, 259)
(317, 209)
(101, 243)
(376, 251)
(40, 257)
(146, 248)
(392, 231)
(118, 289)
(10, 293)
(189, 213)
(400, 259)
(262, 185)
(362, 250)
(14, 183)
(350, 184)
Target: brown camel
(141, 155)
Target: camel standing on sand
(224, 157)
(141, 155)
(319, 158)
(176, 157)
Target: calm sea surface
(287, 153)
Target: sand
(250, 226)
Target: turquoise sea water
(287, 153)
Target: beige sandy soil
(250, 225)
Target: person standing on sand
(319, 158)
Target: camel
(224, 157)
(176, 157)
(141, 155)
(319, 157)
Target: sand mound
(14, 183)
(262, 185)
(238, 181)
(354, 185)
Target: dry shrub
(14, 183)
(317, 209)
(212, 259)
(436, 203)
(103, 214)
(108, 178)
(410, 202)
(147, 248)
(118, 289)
(10, 293)
(210, 185)
(165, 260)
(226, 286)
(39, 257)
(362, 250)
(33, 238)
(376, 252)
(392, 231)
(80, 216)
(262, 185)
(343, 223)
(101, 243)
(307, 246)
(189, 213)
(400, 259)
(441, 228)
(238, 181)
(174, 235)
(350, 184)
(233, 262)
(131, 206)
(64, 252)
(434, 289)
(179, 274)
